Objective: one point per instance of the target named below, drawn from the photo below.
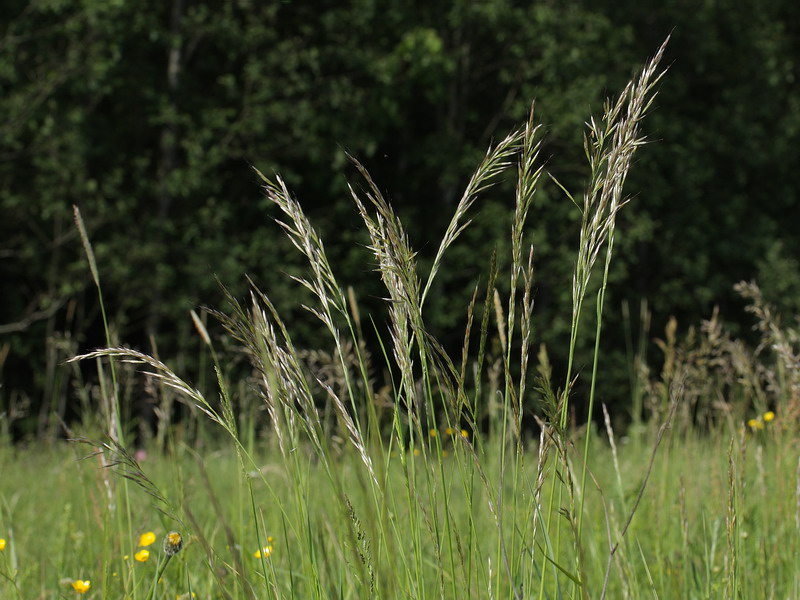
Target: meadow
(466, 477)
(714, 522)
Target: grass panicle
(411, 473)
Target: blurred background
(150, 114)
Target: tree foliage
(148, 115)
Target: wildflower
(465, 434)
(125, 558)
(2, 544)
(81, 586)
(769, 416)
(416, 452)
(445, 454)
(433, 433)
(266, 552)
(147, 539)
(173, 543)
(755, 424)
(142, 555)
(449, 431)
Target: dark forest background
(149, 115)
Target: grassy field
(716, 519)
(463, 477)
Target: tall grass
(709, 509)
(432, 506)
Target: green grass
(677, 545)
(363, 490)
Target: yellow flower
(464, 433)
(173, 543)
(266, 552)
(433, 433)
(449, 431)
(769, 416)
(2, 544)
(416, 452)
(146, 539)
(445, 454)
(755, 424)
(142, 555)
(81, 586)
